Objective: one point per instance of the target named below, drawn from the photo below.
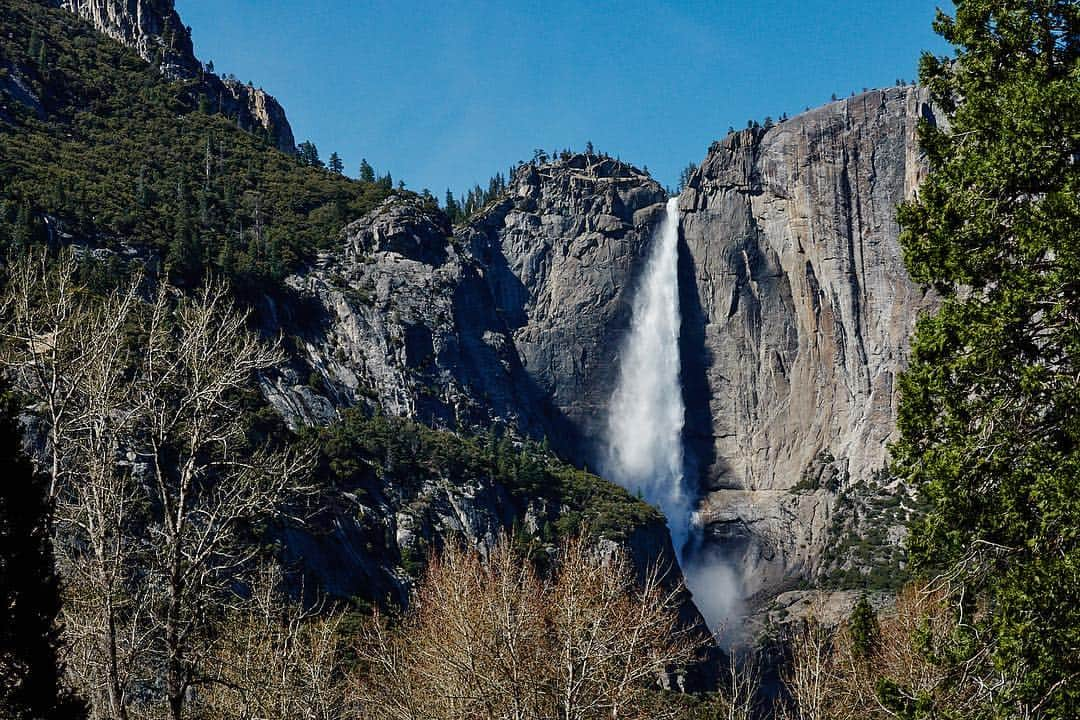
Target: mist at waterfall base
(644, 445)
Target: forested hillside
(95, 144)
(139, 221)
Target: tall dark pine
(335, 164)
(30, 683)
(367, 173)
(990, 407)
(309, 154)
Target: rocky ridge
(155, 31)
(399, 318)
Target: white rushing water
(645, 424)
(646, 415)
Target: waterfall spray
(646, 415)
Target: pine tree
(685, 175)
(452, 210)
(30, 672)
(367, 173)
(184, 256)
(23, 232)
(990, 407)
(309, 154)
(335, 165)
(863, 628)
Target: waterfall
(645, 422)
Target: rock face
(400, 317)
(796, 316)
(357, 545)
(254, 109)
(561, 255)
(155, 31)
(150, 27)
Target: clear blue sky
(444, 94)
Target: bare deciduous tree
(153, 474)
(69, 355)
(203, 482)
(809, 676)
(293, 652)
(488, 638)
(46, 317)
(740, 685)
(831, 678)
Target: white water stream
(646, 415)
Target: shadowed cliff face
(561, 256)
(154, 30)
(150, 27)
(400, 318)
(799, 311)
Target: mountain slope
(154, 30)
(96, 144)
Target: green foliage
(30, 670)
(309, 154)
(475, 199)
(370, 452)
(335, 165)
(685, 175)
(860, 554)
(990, 407)
(863, 628)
(367, 173)
(123, 157)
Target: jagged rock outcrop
(254, 109)
(560, 255)
(401, 317)
(150, 27)
(155, 31)
(357, 545)
(797, 311)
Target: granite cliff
(797, 313)
(400, 320)
(560, 255)
(398, 317)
